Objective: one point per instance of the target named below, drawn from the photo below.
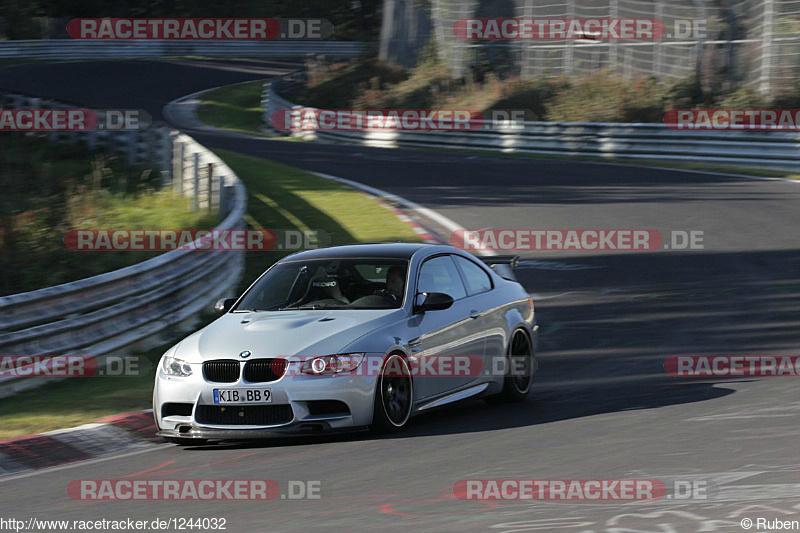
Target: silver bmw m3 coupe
(348, 338)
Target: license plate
(242, 396)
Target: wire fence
(727, 44)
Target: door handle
(474, 314)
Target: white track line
(82, 463)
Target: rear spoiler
(504, 265)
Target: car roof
(395, 250)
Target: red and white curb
(426, 235)
(114, 434)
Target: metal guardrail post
(177, 172)
(229, 195)
(196, 182)
(210, 186)
(165, 144)
(223, 199)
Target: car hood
(282, 333)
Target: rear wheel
(394, 396)
(519, 369)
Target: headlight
(332, 364)
(173, 366)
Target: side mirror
(434, 301)
(224, 305)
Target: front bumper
(356, 392)
(292, 430)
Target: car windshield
(351, 283)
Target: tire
(517, 382)
(186, 442)
(394, 396)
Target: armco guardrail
(102, 314)
(765, 149)
(117, 49)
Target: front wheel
(519, 370)
(394, 396)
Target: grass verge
(234, 107)
(76, 401)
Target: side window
(440, 275)
(475, 277)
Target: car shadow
(553, 405)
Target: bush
(342, 85)
(742, 99)
(603, 96)
(49, 189)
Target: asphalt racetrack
(602, 406)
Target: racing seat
(324, 287)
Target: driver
(396, 281)
(395, 285)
